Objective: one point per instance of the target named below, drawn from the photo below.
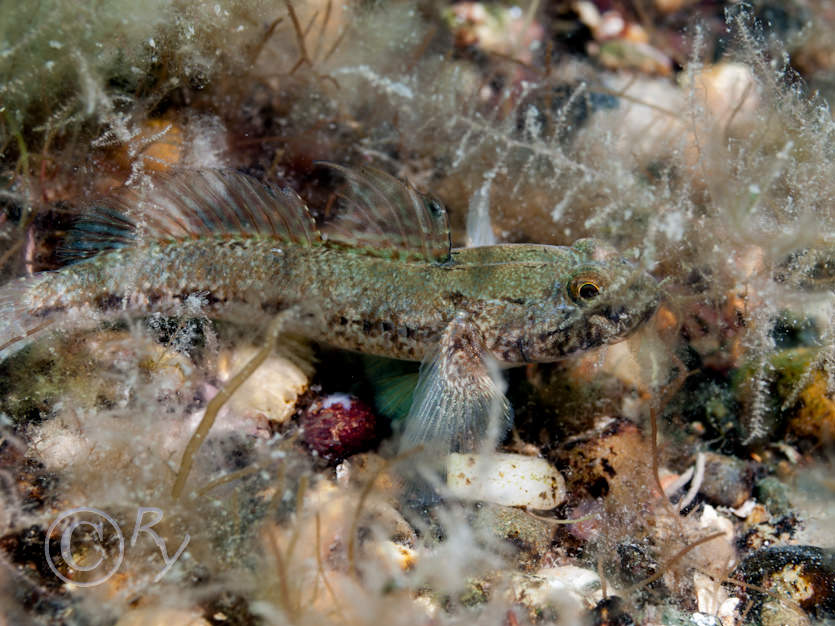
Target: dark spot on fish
(109, 302)
(211, 300)
(271, 307)
(520, 345)
(457, 299)
(387, 326)
(47, 311)
(589, 337)
(608, 468)
(343, 321)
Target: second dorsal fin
(189, 204)
(384, 215)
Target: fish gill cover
(680, 476)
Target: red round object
(339, 425)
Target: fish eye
(584, 288)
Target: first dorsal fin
(190, 204)
(384, 215)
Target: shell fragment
(507, 479)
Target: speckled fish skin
(383, 280)
(514, 294)
(517, 295)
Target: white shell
(272, 390)
(159, 616)
(507, 479)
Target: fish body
(515, 294)
(397, 289)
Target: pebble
(671, 616)
(636, 563)
(728, 481)
(713, 600)
(530, 536)
(159, 616)
(506, 479)
(705, 619)
(611, 463)
(493, 28)
(390, 556)
(271, 390)
(564, 593)
(777, 614)
(717, 556)
(729, 92)
(773, 494)
(815, 412)
(803, 574)
(356, 471)
(609, 612)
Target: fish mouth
(606, 324)
(646, 296)
(618, 321)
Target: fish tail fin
(19, 325)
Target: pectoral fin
(394, 382)
(458, 403)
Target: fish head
(600, 299)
